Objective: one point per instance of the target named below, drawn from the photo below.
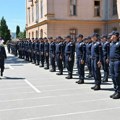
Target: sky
(14, 13)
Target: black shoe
(59, 73)
(69, 77)
(89, 76)
(80, 82)
(52, 70)
(111, 96)
(97, 87)
(116, 96)
(93, 87)
(104, 80)
(77, 81)
(41, 65)
(46, 68)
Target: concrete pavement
(28, 92)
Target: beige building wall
(56, 19)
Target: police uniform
(41, 49)
(60, 55)
(88, 56)
(96, 58)
(115, 65)
(69, 57)
(3, 56)
(37, 52)
(105, 57)
(46, 51)
(80, 55)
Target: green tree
(25, 33)
(21, 35)
(4, 31)
(17, 31)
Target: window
(97, 30)
(96, 8)
(73, 7)
(114, 7)
(37, 12)
(41, 33)
(36, 34)
(73, 33)
(32, 34)
(29, 34)
(32, 13)
(41, 8)
(28, 15)
(114, 28)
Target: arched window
(29, 34)
(41, 33)
(32, 34)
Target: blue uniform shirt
(96, 51)
(81, 50)
(115, 50)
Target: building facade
(46, 18)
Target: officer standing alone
(3, 56)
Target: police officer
(88, 55)
(60, 54)
(3, 56)
(96, 56)
(52, 54)
(41, 49)
(80, 55)
(37, 52)
(69, 56)
(105, 57)
(33, 52)
(115, 64)
(46, 51)
(30, 50)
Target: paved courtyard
(28, 92)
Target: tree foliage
(17, 31)
(4, 31)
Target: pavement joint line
(32, 86)
(44, 97)
(50, 105)
(74, 113)
(17, 93)
(37, 86)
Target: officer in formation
(80, 55)
(94, 51)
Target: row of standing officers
(94, 51)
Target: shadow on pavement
(107, 89)
(14, 60)
(13, 78)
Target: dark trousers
(69, 65)
(59, 64)
(52, 62)
(47, 61)
(2, 65)
(88, 62)
(115, 74)
(80, 68)
(42, 60)
(96, 71)
(37, 58)
(105, 68)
